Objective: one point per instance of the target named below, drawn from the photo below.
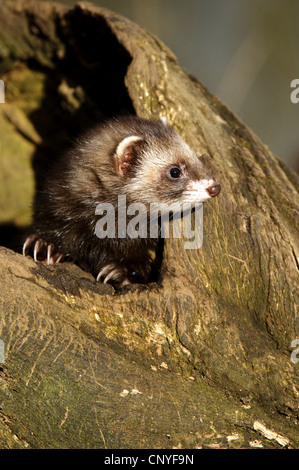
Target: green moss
(25, 88)
(18, 138)
(16, 175)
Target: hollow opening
(85, 86)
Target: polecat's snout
(214, 190)
(201, 190)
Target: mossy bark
(199, 359)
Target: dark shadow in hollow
(85, 87)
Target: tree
(201, 358)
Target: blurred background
(244, 51)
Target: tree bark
(203, 357)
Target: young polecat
(145, 160)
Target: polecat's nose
(214, 190)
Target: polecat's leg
(41, 250)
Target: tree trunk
(201, 358)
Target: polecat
(145, 160)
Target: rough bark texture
(200, 359)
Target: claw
(49, 251)
(104, 270)
(37, 246)
(111, 275)
(42, 250)
(25, 246)
(59, 258)
(29, 240)
(116, 274)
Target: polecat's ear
(127, 153)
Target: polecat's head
(157, 166)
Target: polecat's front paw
(41, 250)
(115, 274)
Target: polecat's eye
(174, 172)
